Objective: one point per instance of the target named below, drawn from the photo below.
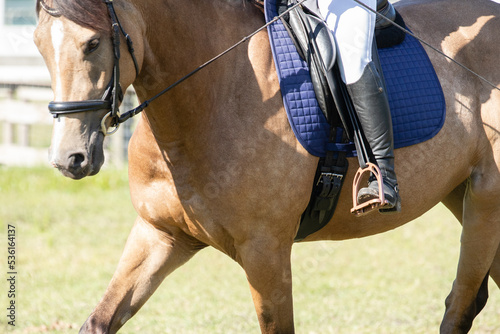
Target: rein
(113, 95)
(427, 44)
(125, 116)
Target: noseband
(113, 95)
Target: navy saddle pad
(415, 94)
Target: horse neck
(180, 36)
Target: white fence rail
(25, 127)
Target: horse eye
(92, 45)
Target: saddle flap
(314, 37)
(324, 40)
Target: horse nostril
(76, 161)
(76, 165)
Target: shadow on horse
(215, 163)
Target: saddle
(315, 44)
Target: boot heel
(390, 211)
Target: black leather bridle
(113, 95)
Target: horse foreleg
(479, 244)
(149, 256)
(267, 264)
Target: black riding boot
(372, 107)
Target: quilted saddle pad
(415, 94)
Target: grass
(70, 235)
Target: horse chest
(155, 201)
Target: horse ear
(38, 9)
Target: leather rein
(113, 95)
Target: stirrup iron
(377, 203)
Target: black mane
(91, 14)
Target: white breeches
(353, 27)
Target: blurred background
(70, 235)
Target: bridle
(113, 94)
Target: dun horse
(214, 161)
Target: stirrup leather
(377, 203)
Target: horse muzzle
(77, 163)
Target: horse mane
(258, 3)
(91, 14)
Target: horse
(214, 161)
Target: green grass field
(70, 234)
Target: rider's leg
(369, 98)
(353, 27)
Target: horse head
(77, 43)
